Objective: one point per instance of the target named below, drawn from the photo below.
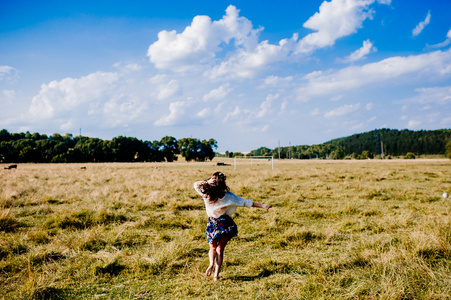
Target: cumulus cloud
(176, 111)
(170, 89)
(265, 107)
(335, 19)
(419, 28)
(200, 41)
(362, 52)
(69, 93)
(343, 110)
(123, 109)
(246, 64)
(163, 87)
(321, 83)
(218, 93)
(239, 115)
(200, 44)
(203, 113)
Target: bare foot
(216, 278)
(209, 270)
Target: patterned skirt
(221, 227)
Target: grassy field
(337, 230)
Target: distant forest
(379, 143)
(40, 148)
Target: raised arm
(198, 188)
(260, 205)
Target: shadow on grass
(264, 272)
(49, 293)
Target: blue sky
(246, 73)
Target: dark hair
(215, 187)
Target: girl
(220, 203)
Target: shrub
(409, 155)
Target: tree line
(377, 143)
(40, 148)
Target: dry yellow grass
(341, 229)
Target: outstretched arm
(260, 205)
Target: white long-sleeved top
(225, 206)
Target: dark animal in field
(83, 168)
(222, 164)
(11, 167)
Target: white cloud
(246, 64)
(413, 124)
(170, 89)
(434, 95)
(419, 28)
(436, 63)
(176, 111)
(359, 126)
(67, 126)
(315, 112)
(164, 88)
(335, 19)
(203, 113)
(69, 93)
(131, 67)
(9, 94)
(238, 115)
(7, 72)
(276, 80)
(444, 43)
(369, 106)
(123, 109)
(200, 41)
(200, 45)
(336, 98)
(343, 110)
(218, 93)
(359, 54)
(265, 107)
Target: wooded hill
(377, 143)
